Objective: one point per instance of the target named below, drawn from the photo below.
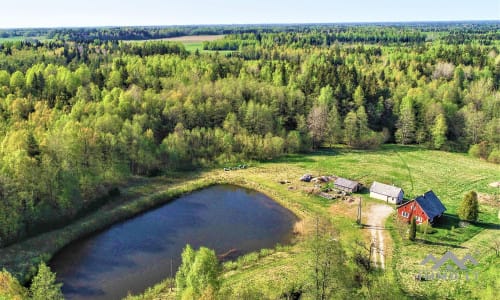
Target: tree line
(76, 118)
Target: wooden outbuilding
(346, 185)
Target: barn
(388, 193)
(424, 208)
(346, 185)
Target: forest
(83, 110)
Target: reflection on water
(135, 254)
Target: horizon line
(256, 24)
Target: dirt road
(375, 220)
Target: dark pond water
(135, 254)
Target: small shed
(346, 185)
(424, 208)
(388, 193)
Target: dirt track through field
(376, 216)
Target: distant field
(192, 42)
(195, 42)
(22, 38)
(195, 38)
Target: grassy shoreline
(432, 169)
(20, 258)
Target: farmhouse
(388, 193)
(346, 185)
(424, 208)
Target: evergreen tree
(469, 207)
(413, 229)
(33, 148)
(363, 129)
(351, 133)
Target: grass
(449, 175)
(23, 38)
(193, 46)
(192, 43)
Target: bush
(230, 265)
(494, 156)
(248, 259)
(479, 150)
(474, 150)
(426, 228)
(265, 252)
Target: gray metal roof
(346, 183)
(385, 189)
(430, 204)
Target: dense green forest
(83, 111)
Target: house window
(406, 214)
(419, 219)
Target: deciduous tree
(44, 285)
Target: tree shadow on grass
(486, 225)
(427, 242)
(291, 158)
(450, 221)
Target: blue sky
(55, 13)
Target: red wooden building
(424, 208)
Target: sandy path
(376, 216)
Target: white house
(389, 193)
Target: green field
(22, 38)
(449, 175)
(193, 46)
(192, 43)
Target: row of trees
(318, 34)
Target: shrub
(265, 252)
(494, 156)
(479, 150)
(474, 150)
(426, 228)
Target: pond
(137, 253)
